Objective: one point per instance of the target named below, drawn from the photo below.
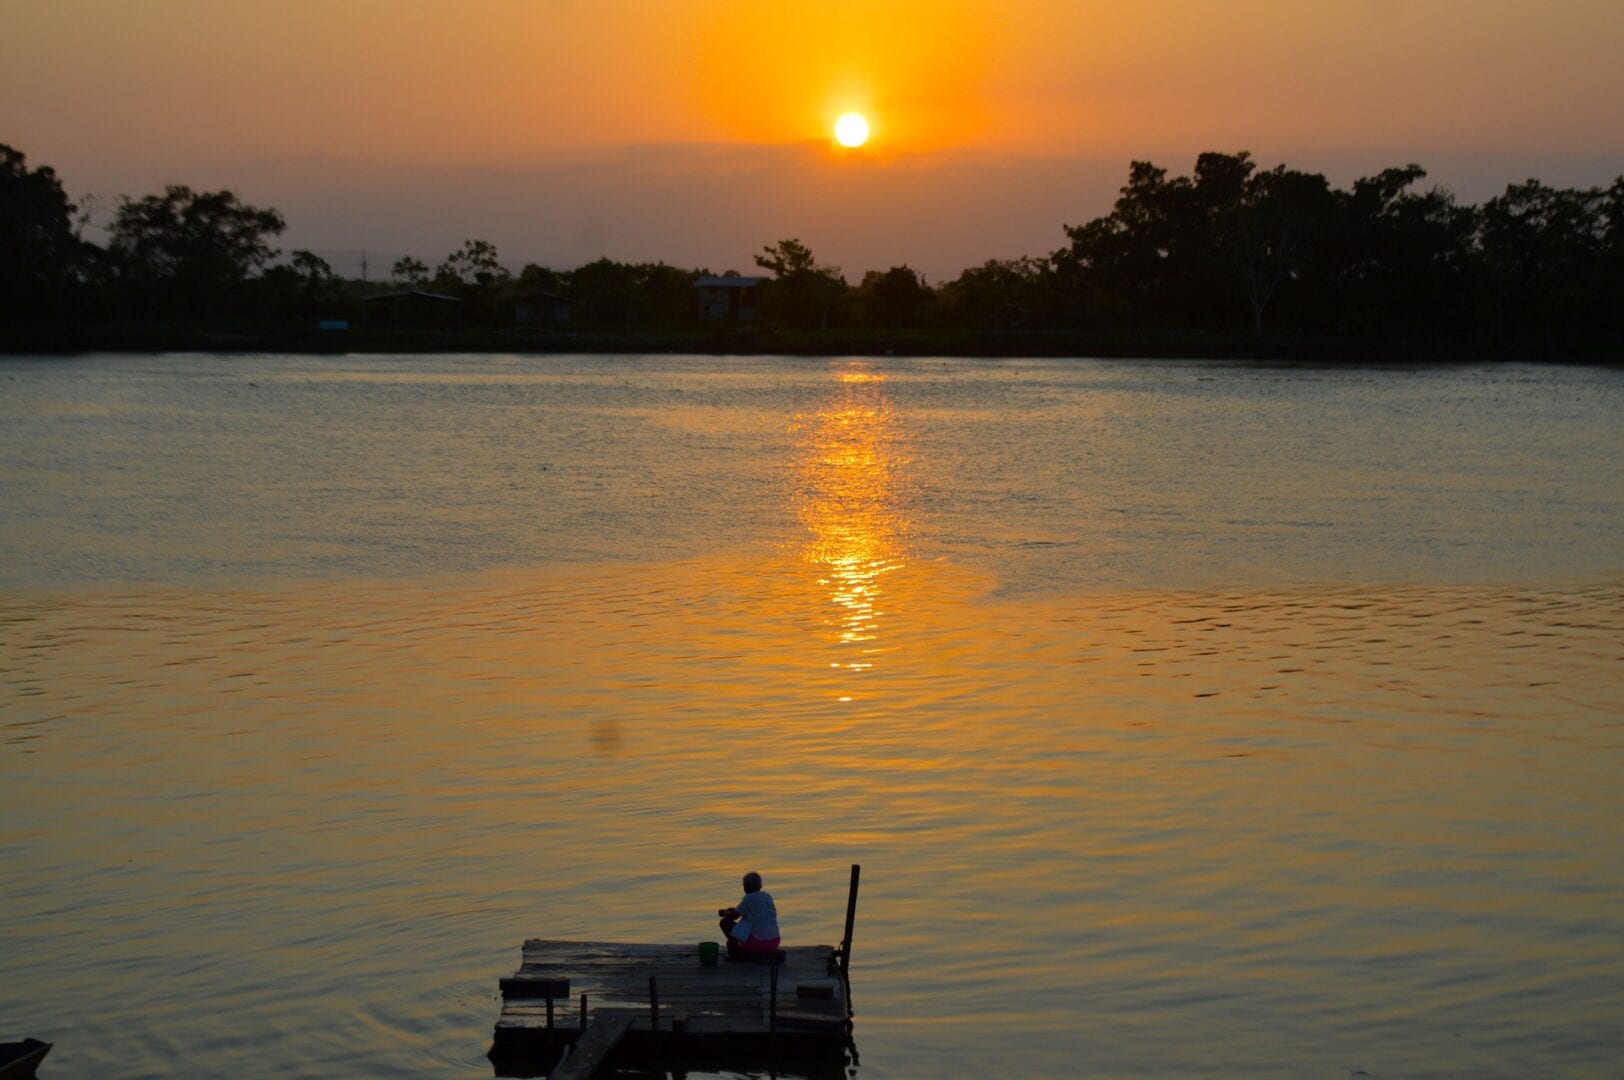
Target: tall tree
(614, 294)
(1148, 261)
(898, 297)
(1000, 294)
(38, 248)
(305, 285)
(1402, 259)
(475, 266)
(604, 292)
(190, 252)
(409, 273)
(787, 257)
(802, 293)
(1545, 255)
(1265, 236)
(1612, 213)
(474, 273)
(1179, 252)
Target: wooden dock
(673, 1003)
(574, 1007)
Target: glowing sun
(851, 130)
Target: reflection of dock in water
(575, 1008)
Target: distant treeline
(1230, 252)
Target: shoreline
(768, 341)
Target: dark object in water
(18, 1060)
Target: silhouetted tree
(305, 285)
(1149, 259)
(1000, 294)
(38, 247)
(1228, 249)
(534, 278)
(613, 294)
(190, 252)
(802, 293)
(786, 257)
(1612, 271)
(602, 292)
(475, 274)
(666, 295)
(472, 267)
(898, 297)
(1173, 253)
(409, 273)
(1545, 253)
(1264, 237)
(1402, 260)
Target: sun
(851, 130)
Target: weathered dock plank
(732, 998)
(594, 1048)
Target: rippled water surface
(1187, 718)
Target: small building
(546, 310)
(729, 297)
(412, 309)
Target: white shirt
(759, 910)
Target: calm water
(1188, 718)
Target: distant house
(413, 309)
(731, 297)
(543, 309)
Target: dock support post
(653, 1005)
(851, 919)
(772, 1000)
(583, 1014)
(549, 1014)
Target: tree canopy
(1230, 252)
(38, 248)
(802, 293)
(190, 251)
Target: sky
(562, 130)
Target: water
(1188, 718)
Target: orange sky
(119, 94)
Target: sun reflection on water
(851, 459)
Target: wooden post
(653, 1005)
(583, 1014)
(851, 919)
(772, 999)
(549, 1014)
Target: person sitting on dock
(751, 926)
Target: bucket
(707, 953)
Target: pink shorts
(756, 944)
